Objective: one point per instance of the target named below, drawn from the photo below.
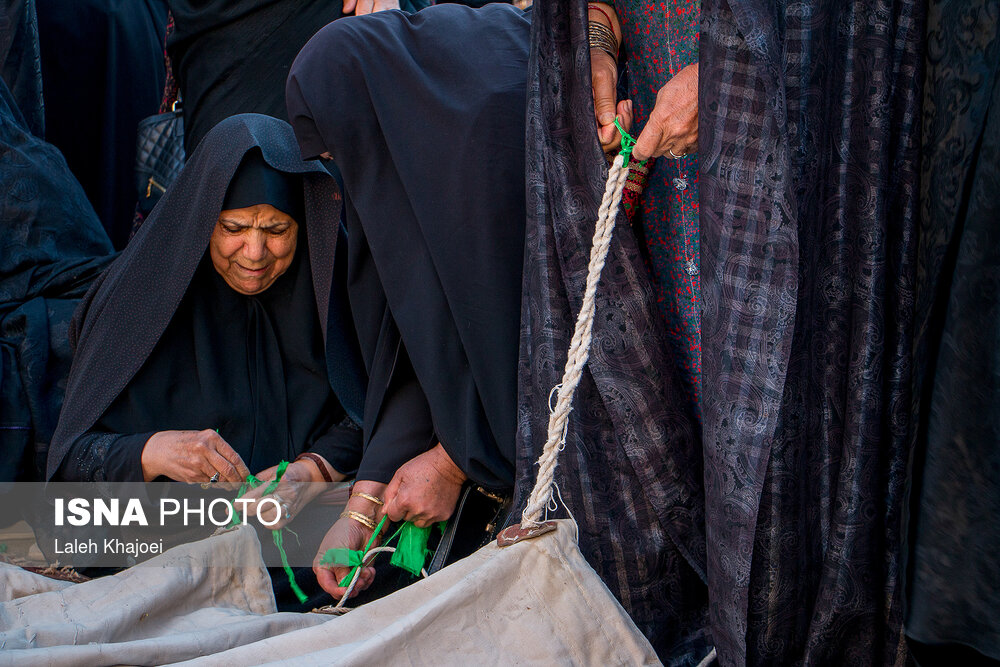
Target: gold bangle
(368, 496)
(360, 518)
(602, 37)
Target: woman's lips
(252, 272)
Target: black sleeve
(341, 446)
(403, 428)
(104, 457)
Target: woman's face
(251, 247)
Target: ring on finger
(675, 156)
(214, 478)
(285, 512)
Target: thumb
(349, 6)
(604, 102)
(604, 75)
(389, 498)
(268, 474)
(648, 140)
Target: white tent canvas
(536, 602)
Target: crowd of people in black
(366, 263)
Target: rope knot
(628, 143)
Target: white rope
(708, 659)
(579, 348)
(357, 575)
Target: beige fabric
(17, 583)
(537, 602)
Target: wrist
(606, 16)
(603, 39)
(362, 511)
(319, 468)
(359, 503)
(446, 467)
(148, 460)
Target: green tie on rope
(279, 542)
(411, 551)
(628, 143)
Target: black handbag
(159, 156)
(479, 516)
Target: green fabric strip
(252, 483)
(411, 550)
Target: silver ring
(214, 478)
(284, 509)
(676, 157)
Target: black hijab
(164, 343)
(435, 203)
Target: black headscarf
(256, 182)
(435, 204)
(164, 343)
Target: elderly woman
(201, 353)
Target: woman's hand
(191, 456)
(673, 122)
(359, 7)
(604, 80)
(425, 489)
(348, 533)
(301, 483)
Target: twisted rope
(579, 349)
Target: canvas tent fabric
(534, 602)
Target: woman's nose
(255, 248)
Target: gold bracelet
(602, 37)
(360, 518)
(368, 496)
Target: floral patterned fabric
(809, 142)
(660, 39)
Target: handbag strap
(171, 92)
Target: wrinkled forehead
(261, 216)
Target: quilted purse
(159, 156)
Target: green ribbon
(342, 558)
(279, 542)
(361, 554)
(628, 143)
(276, 535)
(411, 551)
(282, 467)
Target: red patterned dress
(661, 38)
